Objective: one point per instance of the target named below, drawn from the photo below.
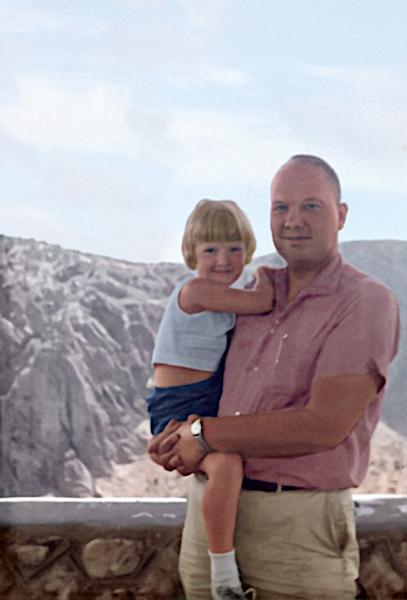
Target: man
(302, 392)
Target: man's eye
(279, 208)
(311, 206)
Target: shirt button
(237, 413)
(256, 368)
(272, 330)
(277, 321)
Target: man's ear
(343, 211)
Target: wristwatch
(196, 430)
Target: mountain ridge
(77, 332)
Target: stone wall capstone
(128, 549)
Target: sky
(117, 116)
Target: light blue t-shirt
(195, 341)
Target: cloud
(204, 75)
(22, 219)
(12, 150)
(208, 146)
(15, 20)
(55, 112)
(370, 78)
(209, 15)
(356, 118)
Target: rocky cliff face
(76, 336)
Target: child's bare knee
(233, 461)
(227, 465)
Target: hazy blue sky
(117, 116)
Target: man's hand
(176, 448)
(161, 447)
(188, 451)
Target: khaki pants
(289, 545)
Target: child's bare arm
(199, 294)
(263, 276)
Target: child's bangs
(218, 226)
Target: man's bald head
(315, 161)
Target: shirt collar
(323, 284)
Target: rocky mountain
(76, 336)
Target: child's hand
(264, 285)
(263, 277)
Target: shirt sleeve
(365, 336)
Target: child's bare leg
(221, 498)
(220, 504)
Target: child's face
(220, 262)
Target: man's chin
(301, 263)
(293, 251)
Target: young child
(188, 367)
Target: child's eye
(209, 250)
(236, 249)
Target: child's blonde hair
(216, 221)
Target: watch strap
(196, 430)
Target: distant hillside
(76, 336)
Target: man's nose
(294, 217)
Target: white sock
(224, 570)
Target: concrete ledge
(137, 512)
(127, 549)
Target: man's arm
(336, 404)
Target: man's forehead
(300, 178)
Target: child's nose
(223, 257)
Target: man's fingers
(168, 444)
(154, 444)
(164, 461)
(175, 462)
(156, 458)
(192, 418)
(182, 470)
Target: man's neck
(300, 275)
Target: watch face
(196, 427)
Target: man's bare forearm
(282, 433)
(335, 406)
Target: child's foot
(222, 592)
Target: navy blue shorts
(180, 401)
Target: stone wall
(54, 549)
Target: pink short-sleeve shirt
(343, 322)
